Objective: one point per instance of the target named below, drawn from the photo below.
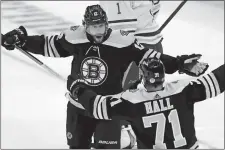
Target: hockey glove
(14, 37)
(77, 87)
(190, 65)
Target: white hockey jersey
(137, 17)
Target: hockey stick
(172, 15)
(40, 63)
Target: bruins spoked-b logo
(94, 70)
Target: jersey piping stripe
(211, 85)
(195, 146)
(210, 91)
(148, 30)
(149, 40)
(124, 20)
(104, 109)
(49, 48)
(115, 102)
(95, 106)
(46, 43)
(99, 108)
(53, 47)
(206, 87)
(216, 93)
(127, 27)
(215, 82)
(45, 48)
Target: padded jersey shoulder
(141, 95)
(119, 39)
(75, 35)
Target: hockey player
(162, 116)
(100, 56)
(138, 18)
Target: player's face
(97, 31)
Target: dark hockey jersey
(161, 119)
(101, 65)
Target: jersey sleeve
(106, 107)
(137, 52)
(49, 46)
(207, 86)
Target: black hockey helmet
(94, 14)
(153, 71)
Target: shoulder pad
(140, 95)
(119, 39)
(175, 87)
(75, 35)
(133, 96)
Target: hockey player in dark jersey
(100, 57)
(161, 115)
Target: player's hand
(14, 37)
(77, 87)
(190, 65)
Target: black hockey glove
(77, 87)
(14, 38)
(190, 65)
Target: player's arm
(101, 107)
(185, 63)
(49, 46)
(107, 107)
(207, 86)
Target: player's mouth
(98, 38)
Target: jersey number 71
(160, 119)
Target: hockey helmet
(153, 71)
(94, 14)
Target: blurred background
(33, 106)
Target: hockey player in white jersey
(138, 18)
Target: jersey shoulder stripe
(211, 85)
